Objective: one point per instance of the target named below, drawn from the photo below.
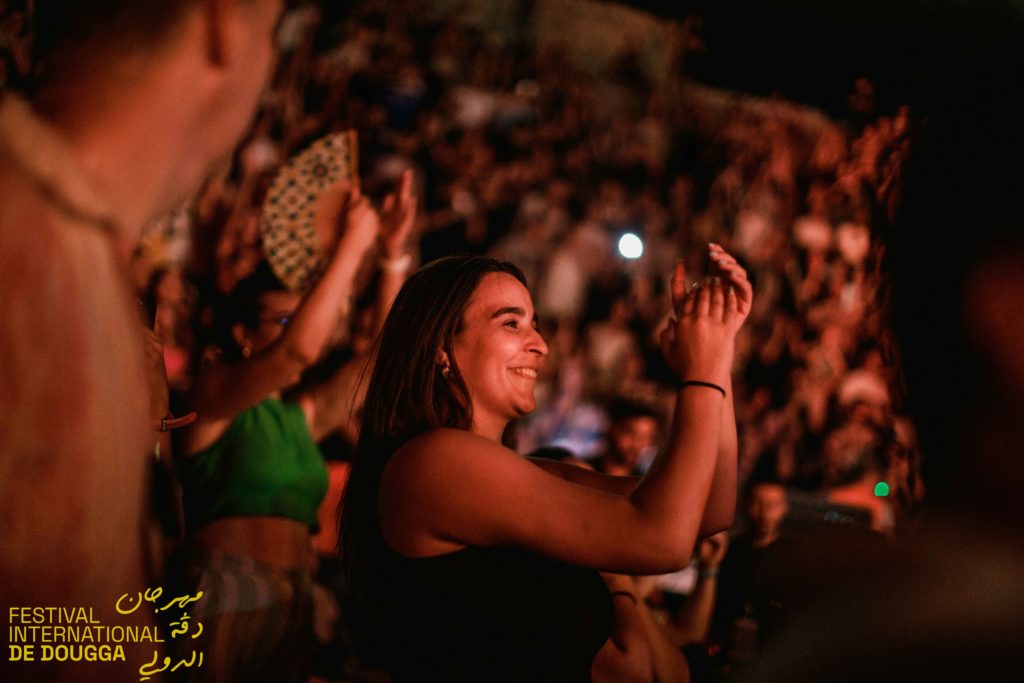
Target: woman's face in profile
(499, 351)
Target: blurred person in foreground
(946, 603)
(135, 104)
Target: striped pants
(257, 621)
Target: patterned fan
(293, 248)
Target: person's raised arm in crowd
(286, 334)
(721, 507)
(398, 216)
(640, 649)
(722, 498)
(335, 403)
(692, 622)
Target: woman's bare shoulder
(436, 488)
(446, 447)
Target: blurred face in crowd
(630, 438)
(276, 309)
(847, 449)
(499, 352)
(766, 508)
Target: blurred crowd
(15, 43)
(518, 152)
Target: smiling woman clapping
(471, 562)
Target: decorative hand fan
(292, 243)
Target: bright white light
(630, 246)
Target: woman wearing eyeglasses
(253, 476)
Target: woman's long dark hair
(407, 396)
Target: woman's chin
(526, 407)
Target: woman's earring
(246, 352)
(446, 370)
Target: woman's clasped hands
(698, 341)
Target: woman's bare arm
(222, 391)
(721, 506)
(451, 488)
(584, 476)
(627, 656)
(336, 403)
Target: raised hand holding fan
(311, 184)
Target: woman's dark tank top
(495, 615)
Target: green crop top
(266, 463)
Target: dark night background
(914, 52)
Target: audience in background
(513, 150)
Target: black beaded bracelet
(698, 383)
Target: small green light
(881, 489)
